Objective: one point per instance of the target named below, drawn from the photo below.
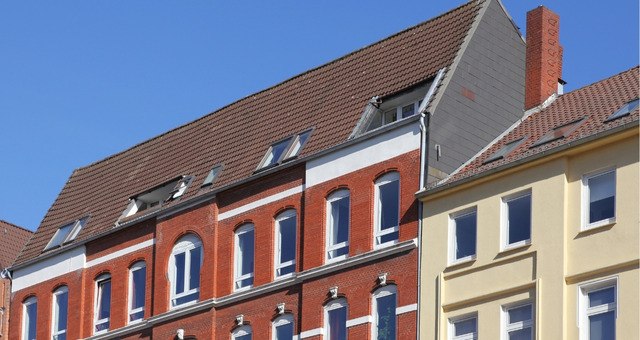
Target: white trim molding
(407, 309)
(48, 269)
(258, 203)
(121, 252)
(312, 332)
(359, 321)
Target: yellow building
(537, 237)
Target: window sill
(385, 245)
(513, 248)
(599, 224)
(461, 262)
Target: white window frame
(54, 316)
(379, 233)
(461, 318)
(28, 302)
(505, 220)
(452, 235)
(379, 293)
(238, 278)
(285, 215)
(584, 311)
(241, 331)
(335, 304)
(96, 306)
(510, 327)
(329, 247)
(586, 199)
(282, 320)
(135, 267)
(184, 245)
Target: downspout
(424, 171)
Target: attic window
(397, 108)
(212, 176)
(66, 233)
(284, 150)
(623, 111)
(559, 132)
(505, 150)
(158, 195)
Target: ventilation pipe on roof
(543, 71)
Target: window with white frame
(285, 261)
(137, 285)
(29, 318)
(66, 233)
(387, 209)
(102, 304)
(384, 325)
(59, 313)
(518, 322)
(516, 219)
(599, 199)
(283, 327)
(244, 257)
(337, 225)
(184, 270)
(335, 320)
(463, 328)
(462, 235)
(598, 310)
(242, 333)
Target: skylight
(625, 110)
(558, 132)
(284, 150)
(505, 150)
(297, 145)
(66, 233)
(275, 153)
(158, 195)
(212, 176)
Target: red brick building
(287, 214)
(12, 239)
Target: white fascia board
(121, 252)
(258, 203)
(48, 269)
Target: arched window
(137, 286)
(244, 257)
(285, 243)
(29, 318)
(283, 327)
(242, 333)
(59, 313)
(337, 243)
(387, 209)
(335, 319)
(102, 311)
(184, 270)
(384, 313)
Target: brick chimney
(543, 57)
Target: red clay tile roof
(595, 102)
(12, 239)
(330, 98)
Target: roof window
(284, 150)
(623, 111)
(212, 176)
(158, 195)
(505, 150)
(66, 233)
(558, 132)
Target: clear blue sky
(80, 80)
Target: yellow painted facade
(556, 268)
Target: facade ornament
(280, 308)
(333, 292)
(240, 319)
(382, 279)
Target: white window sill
(384, 245)
(335, 259)
(242, 289)
(461, 261)
(599, 225)
(515, 246)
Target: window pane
(338, 324)
(246, 252)
(276, 151)
(243, 337)
(389, 237)
(602, 297)
(287, 239)
(464, 327)
(60, 235)
(104, 303)
(194, 268)
(386, 313)
(60, 317)
(408, 110)
(284, 332)
(519, 212)
(136, 316)
(465, 241)
(602, 193)
(31, 316)
(138, 278)
(521, 334)
(180, 263)
(520, 314)
(602, 326)
(340, 219)
(62, 336)
(389, 205)
(187, 298)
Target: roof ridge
(599, 81)
(16, 226)
(333, 61)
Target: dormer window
(624, 110)
(284, 150)
(396, 108)
(66, 233)
(158, 195)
